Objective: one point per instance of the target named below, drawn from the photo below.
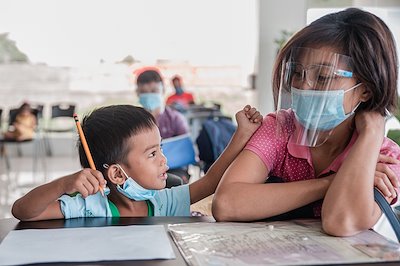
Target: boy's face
(148, 165)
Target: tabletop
(6, 225)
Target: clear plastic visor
(316, 94)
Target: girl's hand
(385, 179)
(86, 182)
(248, 120)
(370, 122)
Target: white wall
(274, 16)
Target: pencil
(86, 147)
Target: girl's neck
(339, 139)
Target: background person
(181, 100)
(23, 127)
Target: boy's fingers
(95, 183)
(99, 176)
(252, 111)
(247, 108)
(88, 186)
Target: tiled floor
(20, 179)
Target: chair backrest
(179, 151)
(38, 110)
(12, 115)
(62, 110)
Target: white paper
(136, 242)
(277, 243)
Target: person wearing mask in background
(181, 99)
(150, 89)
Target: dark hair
(363, 37)
(107, 131)
(176, 78)
(148, 76)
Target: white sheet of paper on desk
(278, 243)
(135, 242)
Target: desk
(6, 225)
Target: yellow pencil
(86, 147)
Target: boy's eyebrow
(151, 147)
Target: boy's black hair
(107, 131)
(148, 76)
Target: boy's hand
(385, 179)
(248, 120)
(86, 182)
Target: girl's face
(147, 164)
(323, 70)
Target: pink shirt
(293, 162)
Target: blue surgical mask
(178, 90)
(320, 110)
(151, 101)
(131, 189)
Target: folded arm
(243, 195)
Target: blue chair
(179, 151)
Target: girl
(333, 83)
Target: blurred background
(86, 54)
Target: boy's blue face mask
(131, 189)
(320, 110)
(151, 101)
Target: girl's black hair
(369, 43)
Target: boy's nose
(163, 159)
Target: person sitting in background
(181, 99)
(150, 89)
(24, 125)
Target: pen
(86, 147)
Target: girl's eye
(153, 154)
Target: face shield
(317, 87)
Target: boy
(125, 144)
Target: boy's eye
(153, 154)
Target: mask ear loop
(106, 166)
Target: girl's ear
(365, 93)
(115, 175)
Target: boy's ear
(115, 175)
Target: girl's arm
(243, 196)
(249, 119)
(349, 205)
(41, 203)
